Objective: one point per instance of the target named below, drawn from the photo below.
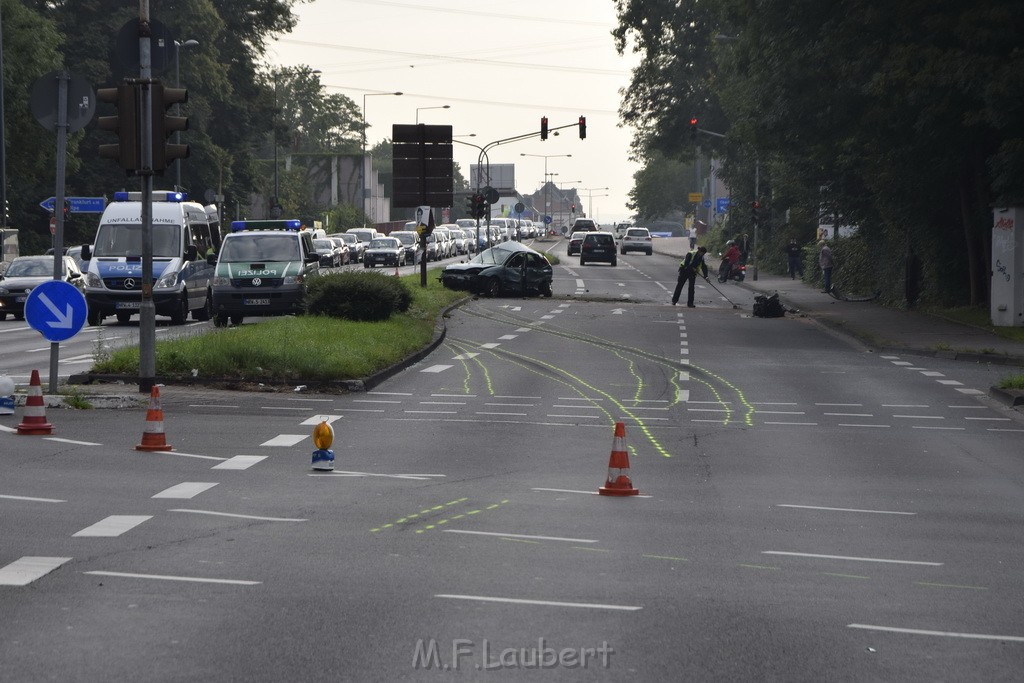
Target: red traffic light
(543, 128)
(693, 121)
(583, 127)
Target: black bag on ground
(768, 306)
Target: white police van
(182, 237)
(262, 269)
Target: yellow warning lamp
(323, 436)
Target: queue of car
(26, 272)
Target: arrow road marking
(64, 320)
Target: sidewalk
(882, 329)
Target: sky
(499, 66)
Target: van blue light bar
(157, 195)
(291, 224)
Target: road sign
(78, 204)
(695, 197)
(53, 225)
(80, 105)
(706, 203)
(547, 220)
(56, 309)
(723, 205)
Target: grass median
(293, 348)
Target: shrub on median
(357, 296)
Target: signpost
(77, 204)
(56, 309)
(723, 205)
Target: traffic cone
(618, 483)
(33, 420)
(153, 435)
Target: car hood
(24, 281)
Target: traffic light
(125, 125)
(470, 206)
(67, 209)
(165, 125)
(693, 129)
(573, 208)
(543, 128)
(479, 206)
(583, 127)
(7, 211)
(755, 212)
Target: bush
(357, 296)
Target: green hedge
(357, 296)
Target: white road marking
(850, 414)
(490, 345)
(506, 337)
(442, 403)
(931, 373)
(33, 500)
(239, 462)
(504, 414)
(192, 455)
(954, 429)
(817, 507)
(781, 412)
(800, 424)
(545, 603)
(25, 570)
(342, 473)
(683, 395)
(889, 357)
(950, 382)
(972, 392)
(592, 493)
(841, 405)
(365, 400)
(854, 559)
(209, 405)
(577, 417)
(283, 408)
(969, 407)
(185, 490)
(901, 362)
(437, 368)
(389, 393)
(523, 329)
(767, 403)
(547, 317)
(989, 419)
(524, 398)
(842, 424)
(992, 429)
(313, 421)
(945, 634)
(527, 536)
(903, 405)
(431, 412)
(312, 400)
(236, 516)
(285, 440)
(453, 395)
(920, 417)
(164, 577)
(9, 430)
(365, 410)
(112, 526)
(465, 356)
(578, 407)
(71, 441)
(684, 375)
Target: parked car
(636, 239)
(575, 242)
(384, 251)
(433, 248)
(458, 239)
(356, 247)
(470, 239)
(508, 268)
(598, 246)
(505, 228)
(410, 241)
(26, 272)
(341, 248)
(329, 258)
(444, 239)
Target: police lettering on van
(181, 237)
(262, 269)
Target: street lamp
(419, 109)
(366, 186)
(545, 157)
(274, 210)
(178, 44)
(590, 198)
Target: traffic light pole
(147, 309)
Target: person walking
(796, 259)
(826, 262)
(688, 268)
(693, 237)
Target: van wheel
(220, 320)
(123, 317)
(206, 312)
(237, 319)
(94, 318)
(180, 314)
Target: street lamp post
(545, 157)
(419, 109)
(590, 198)
(178, 44)
(366, 186)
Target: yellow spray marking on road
(467, 374)
(464, 348)
(442, 522)
(666, 557)
(757, 566)
(949, 585)
(847, 576)
(593, 550)
(416, 515)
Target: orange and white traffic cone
(618, 483)
(33, 420)
(153, 435)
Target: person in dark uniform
(796, 259)
(688, 268)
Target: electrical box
(1007, 288)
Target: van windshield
(259, 248)
(125, 239)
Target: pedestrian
(693, 237)
(826, 262)
(796, 259)
(688, 268)
(743, 243)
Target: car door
(514, 272)
(538, 272)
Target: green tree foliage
(906, 119)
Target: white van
(181, 238)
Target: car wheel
(220, 320)
(94, 318)
(366, 264)
(583, 261)
(623, 252)
(615, 262)
(3, 316)
(123, 317)
(546, 289)
(19, 316)
(493, 288)
(237, 319)
(181, 312)
(206, 312)
(650, 252)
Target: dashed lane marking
(943, 634)
(529, 536)
(165, 577)
(33, 500)
(851, 558)
(239, 462)
(285, 440)
(111, 526)
(437, 368)
(258, 518)
(543, 603)
(25, 570)
(186, 490)
(832, 509)
(71, 441)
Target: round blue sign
(547, 220)
(706, 203)
(56, 309)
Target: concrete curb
(1009, 397)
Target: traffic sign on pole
(78, 204)
(56, 309)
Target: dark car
(598, 246)
(508, 268)
(341, 248)
(575, 242)
(384, 251)
(355, 246)
(410, 240)
(27, 272)
(329, 257)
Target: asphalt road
(808, 511)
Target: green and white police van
(183, 232)
(262, 269)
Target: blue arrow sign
(723, 205)
(56, 309)
(547, 220)
(78, 204)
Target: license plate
(257, 302)
(19, 299)
(133, 305)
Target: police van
(181, 237)
(262, 269)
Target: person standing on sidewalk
(827, 263)
(693, 237)
(796, 259)
(688, 268)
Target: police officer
(688, 268)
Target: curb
(1008, 397)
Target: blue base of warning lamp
(323, 459)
